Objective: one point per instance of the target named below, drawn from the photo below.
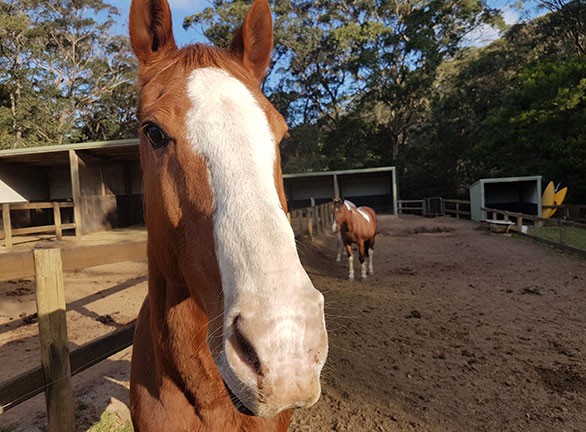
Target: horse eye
(156, 136)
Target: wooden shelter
(101, 179)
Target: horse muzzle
(273, 359)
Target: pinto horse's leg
(339, 246)
(361, 250)
(369, 253)
(350, 262)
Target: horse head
(215, 209)
(340, 213)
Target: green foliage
(515, 107)
(66, 77)
(541, 126)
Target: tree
(541, 126)
(60, 64)
(571, 17)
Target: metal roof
(343, 172)
(506, 179)
(55, 155)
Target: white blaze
(226, 125)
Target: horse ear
(151, 29)
(253, 42)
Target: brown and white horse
(355, 225)
(232, 332)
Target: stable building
(514, 194)
(101, 179)
(373, 187)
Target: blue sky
(179, 10)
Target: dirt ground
(458, 330)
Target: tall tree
(60, 64)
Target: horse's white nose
(334, 227)
(280, 354)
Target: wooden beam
(53, 340)
(75, 191)
(39, 205)
(26, 385)
(57, 220)
(310, 223)
(16, 265)
(19, 265)
(7, 226)
(89, 256)
(336, 187)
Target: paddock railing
(57, 227)
(573, 212)
(58, 365)
(435, 206)
(456, 207)
(557, 232)
(411, 206)
(311, 221)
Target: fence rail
(57, 227)
(563, 234)
(311, 221)
(457, 208)
(415, 206)
(58, 365)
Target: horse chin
(238, 404)
(249, 401)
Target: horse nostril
(245, 350)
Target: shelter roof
(58, 155)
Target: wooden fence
(311, 221)
(57, 226)
(58, 365)
(573, 212)
(441, 207)
(458, 208)
(555, 232)
(411, 206)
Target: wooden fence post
(53, 335)
(300, 223)
(310, 223)
(7, 226)
(325, 217)
(520, 224)
(315, 219)
(57, 220)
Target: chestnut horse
(355, 225)
(231, 335)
